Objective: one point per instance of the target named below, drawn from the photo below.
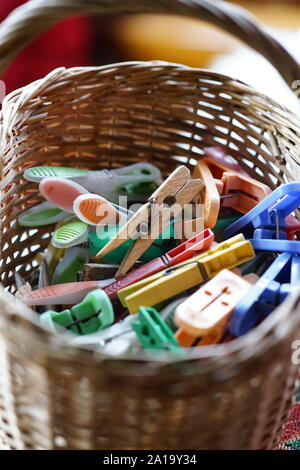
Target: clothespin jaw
(71, 234)
(183, 276)
(153, 332)
(176, 191)
(266, 293)
(246, 192)
(72, 262)
(94, 313)
(207, 311)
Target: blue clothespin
(266, 294)
(264, 224)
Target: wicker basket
(235, 395)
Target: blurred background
(97, 41)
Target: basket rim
(23, 94)
(246, 348)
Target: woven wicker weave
(235, 395)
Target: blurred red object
(68, 44)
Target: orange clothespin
(154, 216)
(203, 317)
(227, 188)
(241, 192)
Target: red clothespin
(219, 155)
(195, 245)
(203, 317)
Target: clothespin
(227, 188)
(153, 332)
(264, 224)
(89, 208)
(241, 192)
(103, 235)
(72, 261)
(61, 192)
(94, 313)
(106, 183)
(197, 244)
(203, 317)
(64, 294)
(267, 293)
(95, 210)
(116, 340)
(218, 155)
(41, 214)
(176, 191)
(177, 279)
(72, 234)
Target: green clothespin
(225, 221)
(41, 214)
(68, 267)
(71, 234)
(103, 235)
(93, 314)
(153, 332)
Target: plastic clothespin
(218, 155)
(103, 235)
(177, 279)
(72, 234)
(154, 217)
(267, 293)
(203, 317)
(95, 210)
(90, 208)
(64, 294)
(116, 340)
(153, 332)
(241, 192)
(41, 214)
(72, 262)
(264, 224)
(106, 183)
(94, 313)
(238, 191)
(197, 244)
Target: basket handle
(29, 20)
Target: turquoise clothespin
(153, 332)
(103, 235)
(93, 314)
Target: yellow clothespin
(203, 317)
(153, 217)
(172, 281)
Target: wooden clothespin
(152, 218)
